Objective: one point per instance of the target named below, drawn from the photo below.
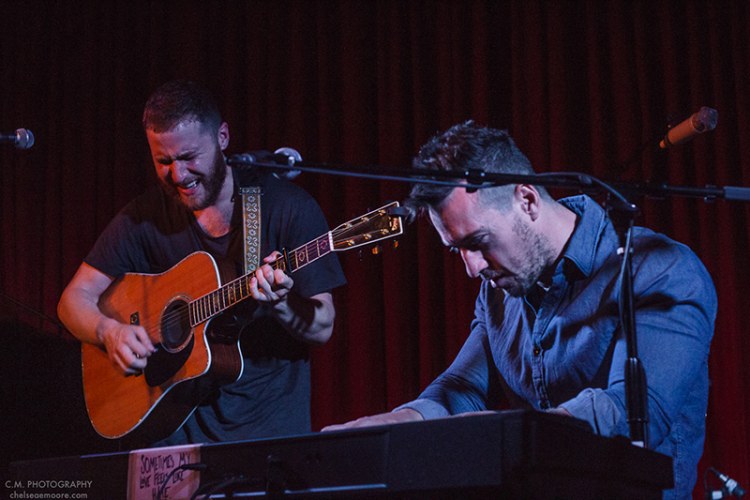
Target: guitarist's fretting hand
(309, 319)
(128, 346)
(270, 285)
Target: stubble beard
(539, 255)
(212, 184)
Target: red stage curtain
(581, 85)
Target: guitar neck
(206, 307)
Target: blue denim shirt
(562, 347)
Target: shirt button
(537, 350)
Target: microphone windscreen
(705, 119)
(24, 138)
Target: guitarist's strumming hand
(128, 346)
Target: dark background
(581, 85)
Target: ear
(528, 200)
(223, 136)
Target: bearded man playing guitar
(266, 391)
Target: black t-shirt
(272, 397)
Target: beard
(538, 255)
(211, 182)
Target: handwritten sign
(150, 471)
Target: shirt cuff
(598, 409)
(427, 408)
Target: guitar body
(188, 364)
(192, 358)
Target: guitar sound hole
(175, 347)
(175, 326)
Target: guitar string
(175, 316)
(208, 311)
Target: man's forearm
(307, 319)
(82, 317)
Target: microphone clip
(279, 161)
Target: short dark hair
(468, 146)
(177, 101)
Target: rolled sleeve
(675, 312)
(469, 384)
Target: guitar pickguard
(163, 365)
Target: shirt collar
(582, 246)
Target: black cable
(31, 310)
(219, 485)
(729, 487)
(194, 466)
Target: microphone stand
(621, 212)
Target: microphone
(702, 121)
(282, 156)
(288, 156)
(22, 138)
(731, 486)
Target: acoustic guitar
(175, 308)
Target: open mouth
(188, 188)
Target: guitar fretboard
(221, 299)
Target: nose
(178, 171)
(474, 262)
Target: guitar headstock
(378, 225)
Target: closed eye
(185, 157)
(472, 243)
